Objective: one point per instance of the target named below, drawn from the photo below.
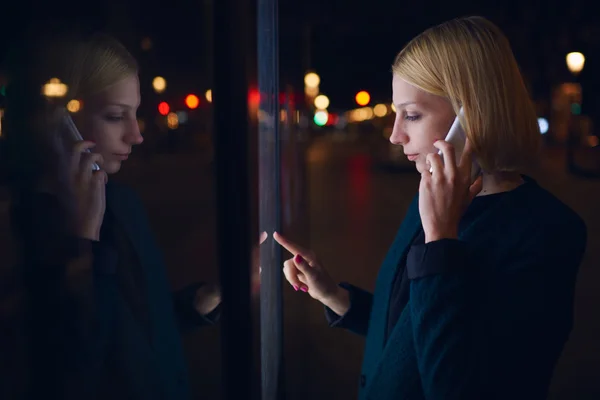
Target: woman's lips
(122, 156)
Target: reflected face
(108, 118)
(421, 119)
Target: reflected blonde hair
(32, 123)
(470, 62)
(88, 66)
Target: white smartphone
(76, 136)
(458, 138)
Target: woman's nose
(134, 136)
(398, 136)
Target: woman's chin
(420, 166)
(111, 167)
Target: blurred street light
(321, 102)
(312, 80)
(380, 110)
(575, 62)
(172, 120)
(362, 98)
(54, 88)
(159, 84)
(192, 101)
(74, 106)
(321, 117)
(208, 95)
(182, 117)
(163, 108)
(544, 125)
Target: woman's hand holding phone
(446, 192)
(89, 190)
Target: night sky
(352, 43)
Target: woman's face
(421, 119)
(108, 118)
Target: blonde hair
(86, 65)
(469, 61)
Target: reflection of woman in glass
(102, 320)
(475, 297)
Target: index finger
(78, 148)
(291, 247)
(263, 236)
(83, 145)
(449, 154)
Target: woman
(102, 320)
(475, 298)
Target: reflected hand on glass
(208, 297)
(256, 264)
(304, 272)
(89, 189)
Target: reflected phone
(72, 130)
(458, 138)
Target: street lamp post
(575, 63)
(311, 87)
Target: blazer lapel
(125, 216)
(377, 325)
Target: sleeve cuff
(333, 319)
(189, 318)
(434, 258)
(354, 312)
(212, 317)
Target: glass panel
(271, 312)
(171, 218)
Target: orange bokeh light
(362, 98)
(192, 101)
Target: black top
(487, 315)
(401, 286)
(129, 274)
(400, 290)
(114, 318)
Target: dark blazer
(491, 320)
(82, 326)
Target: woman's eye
(113, 118)
(411, 117)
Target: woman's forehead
(125, 92)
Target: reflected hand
(256, 270)
(88, 187)
(208, 297)
(304, 272)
